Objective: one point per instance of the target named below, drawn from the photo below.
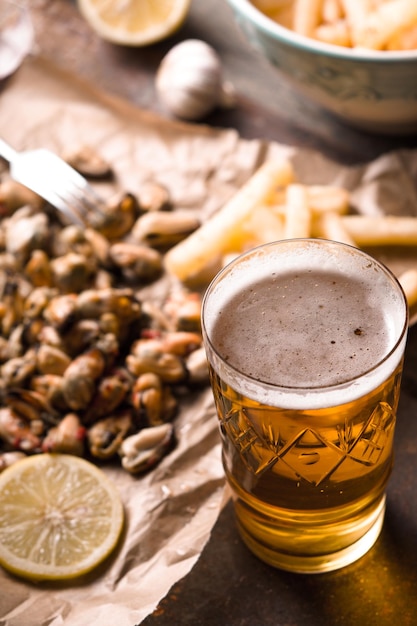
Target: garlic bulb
(189, 81)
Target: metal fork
(55, 181)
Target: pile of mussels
(88, 366)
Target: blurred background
(267, 106)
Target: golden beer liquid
(308, 484)
(308, 480)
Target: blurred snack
(387, 21)
(262, 226)
(408, 281)
(325, 198)
(133, 23)
(332, 10)
(387, 230)
(371, 24)
(331, 226)
(404, 40)
(298, 212)
(355, 12)
(223, 232)
(335, 33)
(307, 16)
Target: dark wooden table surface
(228, 586)
(267, 106)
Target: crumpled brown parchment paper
(171, 510)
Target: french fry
(298, 214)
(408, 281)
(266, 6)
(321, 199)
(332, 11)
(283, 16)
(381, 230)
(372, 24)
(330, 226)
(324, 198)
(215, 237)
(306, 16)
(404, 40)
(385, 22)
(356, 12)
(337, 33)
(264, 225)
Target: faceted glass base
(317, 563)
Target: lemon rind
(145, 37)
(37, 572)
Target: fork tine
(56, 181)
(72, 190)
(73, 209)
(91, 197)
(82, 199)
(60, 201)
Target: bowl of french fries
(355, 58)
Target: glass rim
(304, 388)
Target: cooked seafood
(106, 436)
(144, 450)
(72, 272)
(13, 195)
(38, 269)
(8, 458)
(164, 229)
(109, 394)
(154, 196)
(93, 303)
(52, 360)
(89, 363)
(118, 218)
(80, 378)
(184, 309)
(136, 261)
(67, 437)
(88, 162)
(31, 405)
(196, 364)
(148, 355)
(154, 402)
(16, 432)
(17, 371)
(26, 231)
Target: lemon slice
(134, 22)
(60, 516)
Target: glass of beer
(305, 341)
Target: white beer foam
(308, 372)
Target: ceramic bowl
(374, 91)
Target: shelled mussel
(88, 365)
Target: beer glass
(305, 341)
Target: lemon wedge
(134, 22)
(60, 516)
